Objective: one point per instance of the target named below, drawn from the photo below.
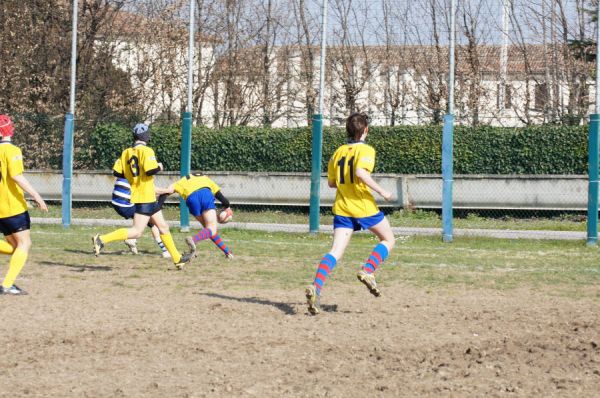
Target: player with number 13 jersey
(138, 165)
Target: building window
(540, 96)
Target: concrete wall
(543, 192)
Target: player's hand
(40, 202)
(386, 195)
(160, 166)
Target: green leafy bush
(400, 149)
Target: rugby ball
(225, 216)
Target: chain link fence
(523, 90)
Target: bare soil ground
(110, 330)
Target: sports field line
(301, 228)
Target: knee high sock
(220, 244)
(119, 234)
(6, 248)
(170, 245)
(17, 261)
(378, 255)
(160, 244)
(205, 233)
(326, 266)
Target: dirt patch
(108, 331)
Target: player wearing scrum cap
(14, 217)
(138, 165)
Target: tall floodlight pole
(317, 134)
(593, 147)
(503, 56)
(186, 126)
(447, 138)
(69, 128)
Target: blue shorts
(357, 224)
(200, 201)
(17, 223)
(147, 209)
(127, 213)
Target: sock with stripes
(6, 248)
(326, 266)
(378, 255)
(17, 261)
(160, 244)
(167, 240)
(119, 234)
(204, 234)
(220, 244)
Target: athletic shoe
(192, 245)
(369, 281)
(14, 290)
(229, 256)
(98, 245)
(185, 258)
(166, 255)
(313, 300)
(132, 245)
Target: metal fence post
(315, 175)
(186, 164)
(593, 147)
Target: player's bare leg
(165, 234)
(208, 219)
(21, 241)
(341, 238)
(366, 275)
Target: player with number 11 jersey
(353, 197)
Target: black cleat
(98, 245)
(14, 290)
(185, 258)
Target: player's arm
(331, 181)
(26, 186)
(151, 165)
(118, 169)
(221, 198)
(165, 191)
(365, 177)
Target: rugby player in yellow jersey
(349, 170)
(138, 165)
(14, 217)
(199, 193)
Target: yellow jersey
(134, 164)
(191, 183)
(353, 197)
(12, 200)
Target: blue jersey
(121, 195)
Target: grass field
(472, 318)
(398, 218)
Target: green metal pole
(67, 169)
(186, 164)
(593, 164)
(315, 175)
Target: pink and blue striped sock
(378, 255)
(326, 266)
(220, 244)
(202, 235)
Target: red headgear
(7, 128)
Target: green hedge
(401, 149)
